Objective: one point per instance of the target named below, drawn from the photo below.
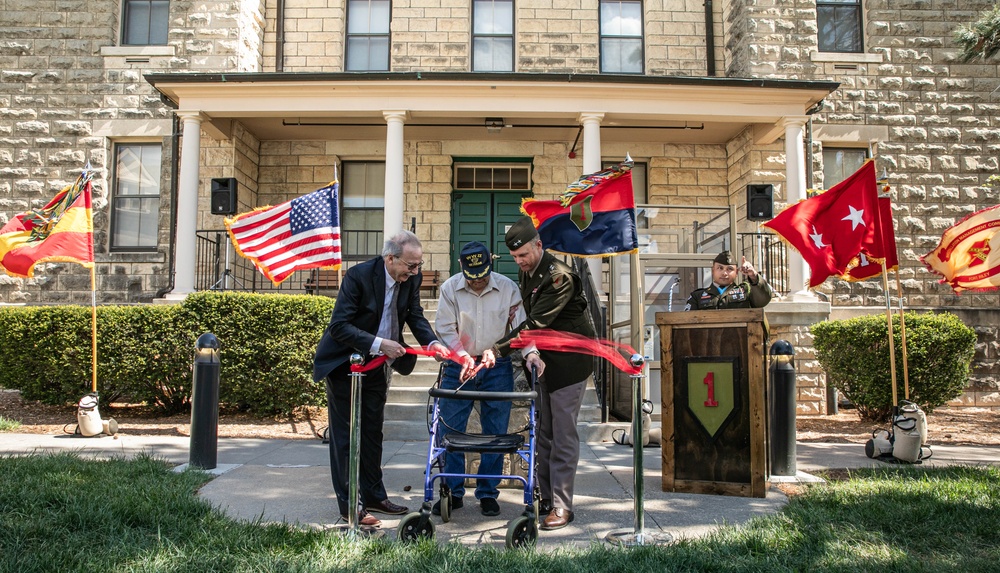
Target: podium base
(629, 538)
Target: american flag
(303, 233)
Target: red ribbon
(545, 339)
(379, 361)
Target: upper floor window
(840, 26)
(839, 163)
(135, 200)
(144, 22)
(368, 35)
(492, 35)
(621, 36)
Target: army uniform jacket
(554, 299)
(742, 295)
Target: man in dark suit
(553, 298)
(376, 298)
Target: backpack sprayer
(649, 435)
(905, 440)
(88, 418)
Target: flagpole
(93, 330)
(902, 334)
(892, 344)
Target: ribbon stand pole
(354, 529)
(639, 535)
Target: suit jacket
(357, 315)
(553, 298)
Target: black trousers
(338, 399)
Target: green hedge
(855, 355)
(145, 352)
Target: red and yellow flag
(968, 256)
(61, 231)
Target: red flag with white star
(832, 228)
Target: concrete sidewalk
(289, 480)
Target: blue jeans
(493, 416)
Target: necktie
(393, 314)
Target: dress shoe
(387, 507)
(365, 519)
(456, 503)
(489, 506)
(544, 507)
(558, 519)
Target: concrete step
(413, 431)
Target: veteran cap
(724, 258)
(520, 233)
(475, 260)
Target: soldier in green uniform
(754, 292)
(553, 299)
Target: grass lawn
(59, 513)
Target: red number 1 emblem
(710, 382)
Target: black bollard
(781, 409)
(205, 403)
(832, 406)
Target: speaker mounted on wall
(224, 196)
(760, 202)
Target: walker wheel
(410, 528)
(521, 532)
(446, 508)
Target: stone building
(441, 115)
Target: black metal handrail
(215, 256)
(769, 256)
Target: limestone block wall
(552, 36)
(68, 92)
(939, 118)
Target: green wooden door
(485, 216)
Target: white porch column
(392, 222)
(795, 189)
(591, 141)
(185, 246)
(591, 164)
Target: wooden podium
(712, 386)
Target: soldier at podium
(753, 292)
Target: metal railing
(769, 256)
(599, 316)
(218, 267)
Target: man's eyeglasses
(413, 266)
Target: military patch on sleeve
(557, 280)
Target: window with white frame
(492, 35)
(839, 24)
(621, 36)
(639, 190)
(839, 163)
(363, 196)
(368, 35)
(135, 198)
(144, 22)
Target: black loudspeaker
(760, 202)
(224, 196)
